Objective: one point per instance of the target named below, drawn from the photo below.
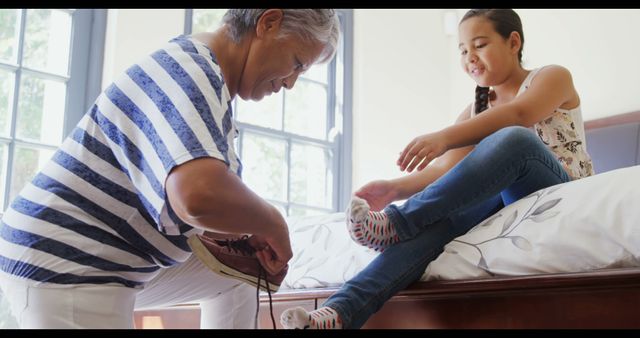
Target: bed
(546, 261)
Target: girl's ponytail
(482, 99)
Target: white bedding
(584, 225)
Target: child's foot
(370, 228)
(322, 318)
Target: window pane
(306, 110)
(207, 20)
(46, 40)
(40, 110)
(265, 167)
(265, 113)
(26, 163)
(9, 25)
(7, 83)
(4, 152)
(300, 211)
(339, 86)
(317, 72)
(311, 175)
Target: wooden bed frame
(602, 299)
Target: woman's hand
(273, 253)
(273, 250)
(378, 194)
(421, 151)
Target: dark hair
(504, 22)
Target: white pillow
(588, 224)
(323, 253)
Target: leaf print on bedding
(327, 241)
(521, 243)
(318, 262)
(351, 269)
(543, 217)
(552, 189)
(297, 257)
(482, 264)
(536, 213)
(302, 262)
(546, 206)
(509, 222)
(323, 284)
(451, 251)
(316, 234)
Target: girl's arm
(408, 185)
(380, 193)
(552, 88)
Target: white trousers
(224, 302)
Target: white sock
(322, 318)
(370, 228)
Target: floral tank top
(563, 132)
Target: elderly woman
(103, 228)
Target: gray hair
(317, 25)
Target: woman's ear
(515, 42)
(269, 22)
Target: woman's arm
(205, 194)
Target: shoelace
(263, 271)
(241, 245)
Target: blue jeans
(504, 167)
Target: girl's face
(485, 55)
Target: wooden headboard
(614, 142)
(613, 120)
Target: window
(295, 145)
(50, 65)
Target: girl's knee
(516, 135)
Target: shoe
(235, 258)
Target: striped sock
(370, 228)
(322, 318)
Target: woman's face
(275, 62)
(484, 54)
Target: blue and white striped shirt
(97, 212)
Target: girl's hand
(378, 194)
(421, 151)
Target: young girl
(524, 132)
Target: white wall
(599, 46)
(400, 85)
(134, 33)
